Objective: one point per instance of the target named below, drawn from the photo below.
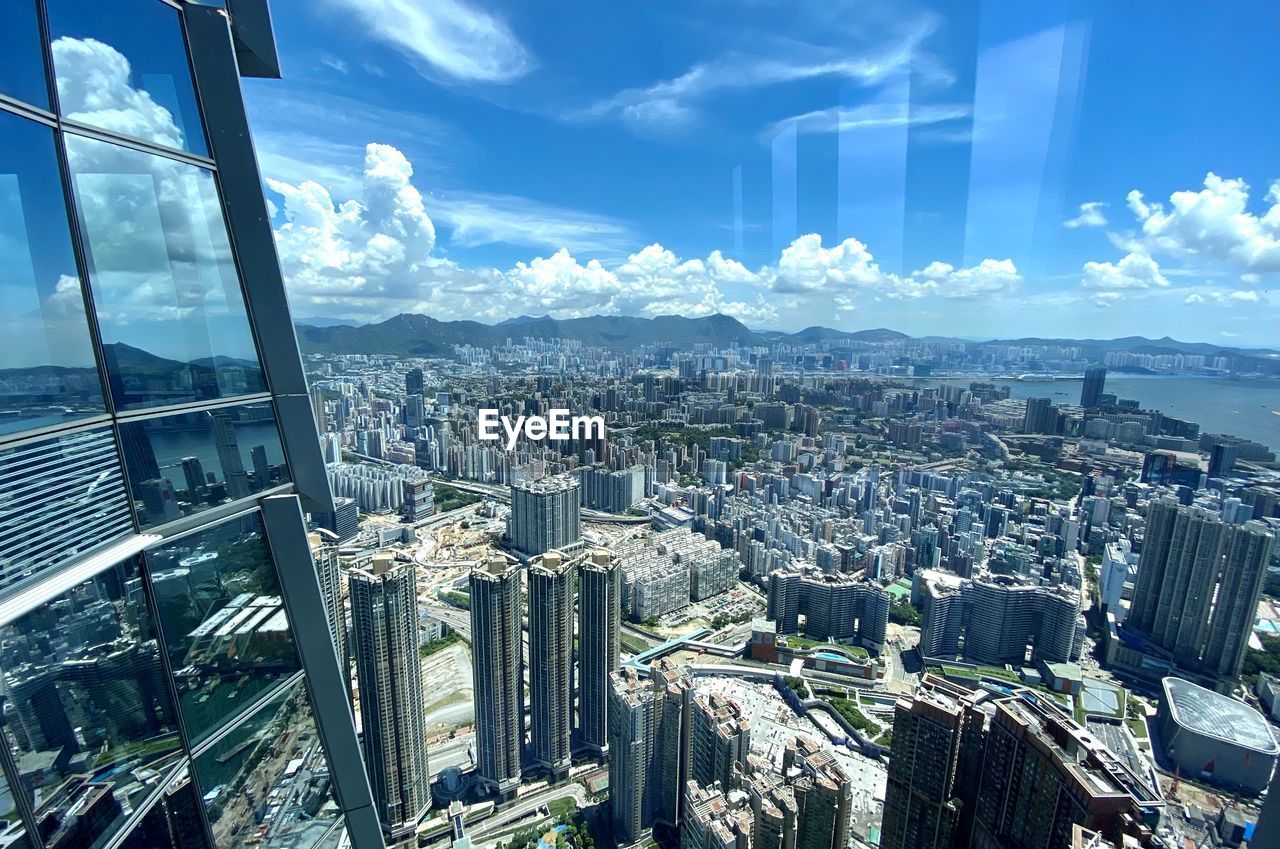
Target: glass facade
(187, 462)
(227, 632)
(152, 692)
(49, 375)
(164, 281)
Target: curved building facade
(1215, 737)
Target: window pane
(47, 371)
(14, 836)
(22, 71)
(182, 464)
(59, 498)
(164, 280)
(123, 67)
(173, 822)
(224, 623)
(275, 755)
(88, 712)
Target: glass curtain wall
(151, 691)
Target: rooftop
(1215, 715)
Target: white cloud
(1213, 223)
(843, 269)
(987, 278)
(94, 88)
(1194, 298)
(375, 255)
(1133, 271)
(673, 104)
(870, 116)
(478, 218)
(806, 266)
(1090, 215)
(445, 37)
(361, 244)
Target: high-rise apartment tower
(384, 627)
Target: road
(452, 753)
(520, 809)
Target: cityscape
(319, 530)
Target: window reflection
(14, 836)
(174, 821)
(123, 67)
(87, 711)
(47, 371)
(59, 498)
(182, 464)
(164, 281)
(223, 619)
(22, 71)
(266, 784)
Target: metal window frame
(335, 722)
(217, 75)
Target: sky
(1002, 169)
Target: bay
(1244, 407)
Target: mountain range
(409, 334)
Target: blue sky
(996, 169)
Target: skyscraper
(1095, 378)
(1041, 416)
(634, 710)
(228, 447)
(551, 584)
(413, 384)
(1042, 774)
(648, 748)
(599, 611)
(824, 795)
(497, 660)
(144, 298)
(937, 737)
(720, 740)
(544, 515)
(384, 627)
(324, 551)
(1198, 585)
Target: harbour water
(1244, 407)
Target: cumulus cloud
(845, 268)
(1090, 215)
(1194, 298)
(989, 277)
(1133, 271)
(376, 254)
(94, 88)
(1214, 223)
(360, 244)
(445, 38)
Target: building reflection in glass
(224, 622)
(181, 464)
(266, 783)
(87, 715)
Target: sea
(1244, 407)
